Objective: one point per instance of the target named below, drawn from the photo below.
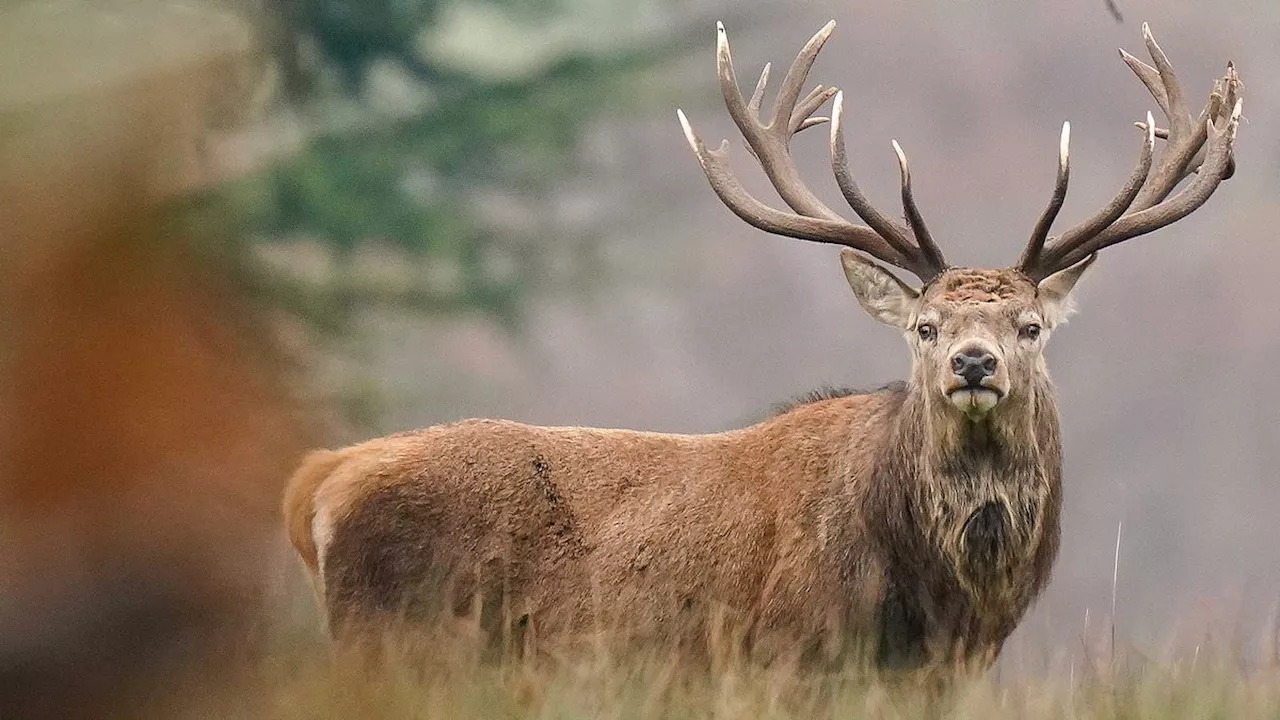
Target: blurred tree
(413, 138)
(353, 34)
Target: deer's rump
(541, 522)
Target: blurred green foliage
(412, 179)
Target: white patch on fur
(321, 535)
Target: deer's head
(977, 336)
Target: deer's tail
(299, 502)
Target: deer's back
(570, 524)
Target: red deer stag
(917, 522)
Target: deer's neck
(982, 496)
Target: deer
(914, 524)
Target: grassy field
(451, 677)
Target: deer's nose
(974, 364)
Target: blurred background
(232, 230)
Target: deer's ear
(879, 292)
(1055, 291)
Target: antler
(885, 239)
(1202, 146)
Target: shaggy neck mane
(970, 507)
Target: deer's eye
(926, 331)
(1030, 331)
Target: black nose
(973, 364)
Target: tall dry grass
(451, 673)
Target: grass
(451, 676)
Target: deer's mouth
(975, 401)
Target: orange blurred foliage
(145, 428)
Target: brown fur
(888, 519)
(981, 286)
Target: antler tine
(757, 96)
(785, 104)
(915, 221)
(1040, 233)
(757, 99)
(1225, 94)
(803, 118)
(1201, 146)
(771, 143)
(1149, 77)
(897, 235)
(1175, 98)
(893, 231)
(1185, 136)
